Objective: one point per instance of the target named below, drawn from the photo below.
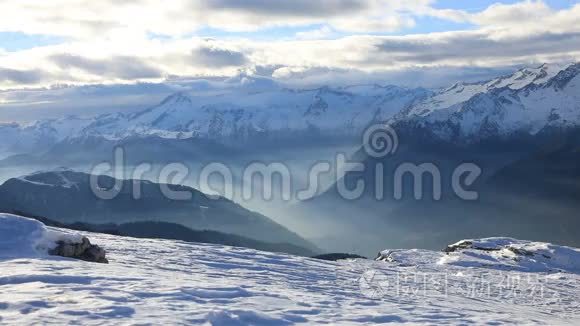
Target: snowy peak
(176, 99)
(526, 102)
(170, 113)
(527, 76)
(564, 77)
(240, 116)
(461, 92)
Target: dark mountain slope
(66, 196)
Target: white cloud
(110, 19)
(501, 15)
(106, 18)
(123, 67)
(525, 18)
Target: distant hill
(65, 196)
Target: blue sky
(14, 41)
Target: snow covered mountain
(173, 282)
(40, 135)
(234, 116)
(462, 92)
(238, 117)
(525, 103)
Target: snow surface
(173, 282)
(24, 237)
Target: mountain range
(236, 118)
(525, 102)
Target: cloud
(215, 57)
(106, 19)
(82, 19)
(286, 59)
(510, 14)
(525, 18)
(465, 48)
(300, 8)
(429, 77)
(121, 67)
(21, 77)
(523, 33)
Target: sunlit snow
(176, 282)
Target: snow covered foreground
(161, 281)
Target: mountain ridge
(502, 112)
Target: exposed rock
(83, 251)
(407, 257)
(467, 244)
(338, 256)
(523, 252)
(489, 245)
(386, 255)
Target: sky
(78, 42)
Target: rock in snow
(24, 237)
(83, 250)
